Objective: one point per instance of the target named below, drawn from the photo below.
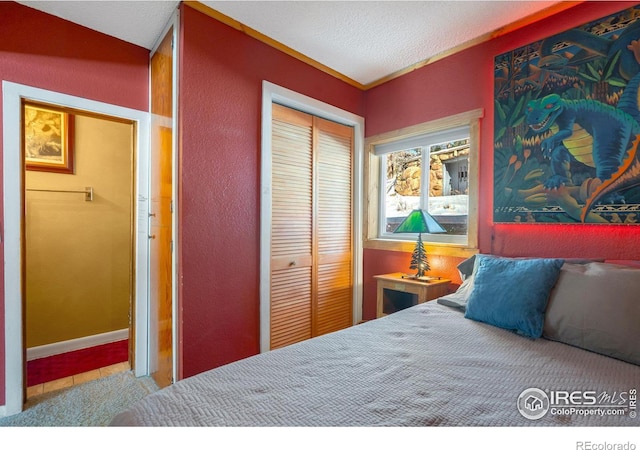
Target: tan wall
(78, 253)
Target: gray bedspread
(423, 366)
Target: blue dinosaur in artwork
(589, 131)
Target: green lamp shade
(419, 221)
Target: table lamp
(419, 221)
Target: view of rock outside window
(447, 182)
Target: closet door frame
(272, 93)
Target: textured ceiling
(368, 40)
(137, 22)
(363, 40)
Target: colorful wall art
(567, 126)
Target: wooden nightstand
(396, 293)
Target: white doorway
(13, 95)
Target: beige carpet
(91, 404)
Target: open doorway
(79, 254)
(14, 237)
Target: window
(431, 166)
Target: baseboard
(57, 348)
(63, 365)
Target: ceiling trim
(271, 42)
(547, 12)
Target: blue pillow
(512, 293)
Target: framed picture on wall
(567, 126)
(48, 139)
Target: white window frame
(421, 135)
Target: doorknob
(152, 236)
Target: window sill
(431, 248)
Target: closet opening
(332, 297)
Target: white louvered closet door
(311, 233)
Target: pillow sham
(596, 307)
(459, 298)
(512, 293)
(465, 268)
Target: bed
(443, 363)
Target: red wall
(221, 73)
(40, 50)
(464, 82)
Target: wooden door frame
(272, 93)
(13, 174)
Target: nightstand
(396, 293)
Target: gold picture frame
(47, 139)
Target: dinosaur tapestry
(567, 122)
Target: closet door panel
(333, 227)
(290, 306)
(335, 291)
(161, 215)
(291, 226)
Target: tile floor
(54, 385)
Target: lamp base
(426, 279)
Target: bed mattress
(422, 366)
